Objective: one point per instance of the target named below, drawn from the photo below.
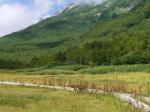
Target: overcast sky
(19, 14)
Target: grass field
(82, 69)
(23, 99)
(134, 82)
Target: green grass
(70, 67)
(82, 69)
(121, 69)
(22, 99)
(85, 69)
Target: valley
(87, 57)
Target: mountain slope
(123, 40)
(53, 38)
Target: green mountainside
(115, 32)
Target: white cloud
(14, 17)
(89, 1)
(60, 1)
(17, 16)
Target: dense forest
(108, 40)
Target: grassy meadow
(133, 79)
(133, 83)
(23, 99)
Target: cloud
(60, 1)
(17, 16)
(89, 1)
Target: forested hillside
(115, 32)
(123, 40)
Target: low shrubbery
(112, 69)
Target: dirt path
(123, 96)
(147, 99)
(134, 102)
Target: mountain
(114, 32)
